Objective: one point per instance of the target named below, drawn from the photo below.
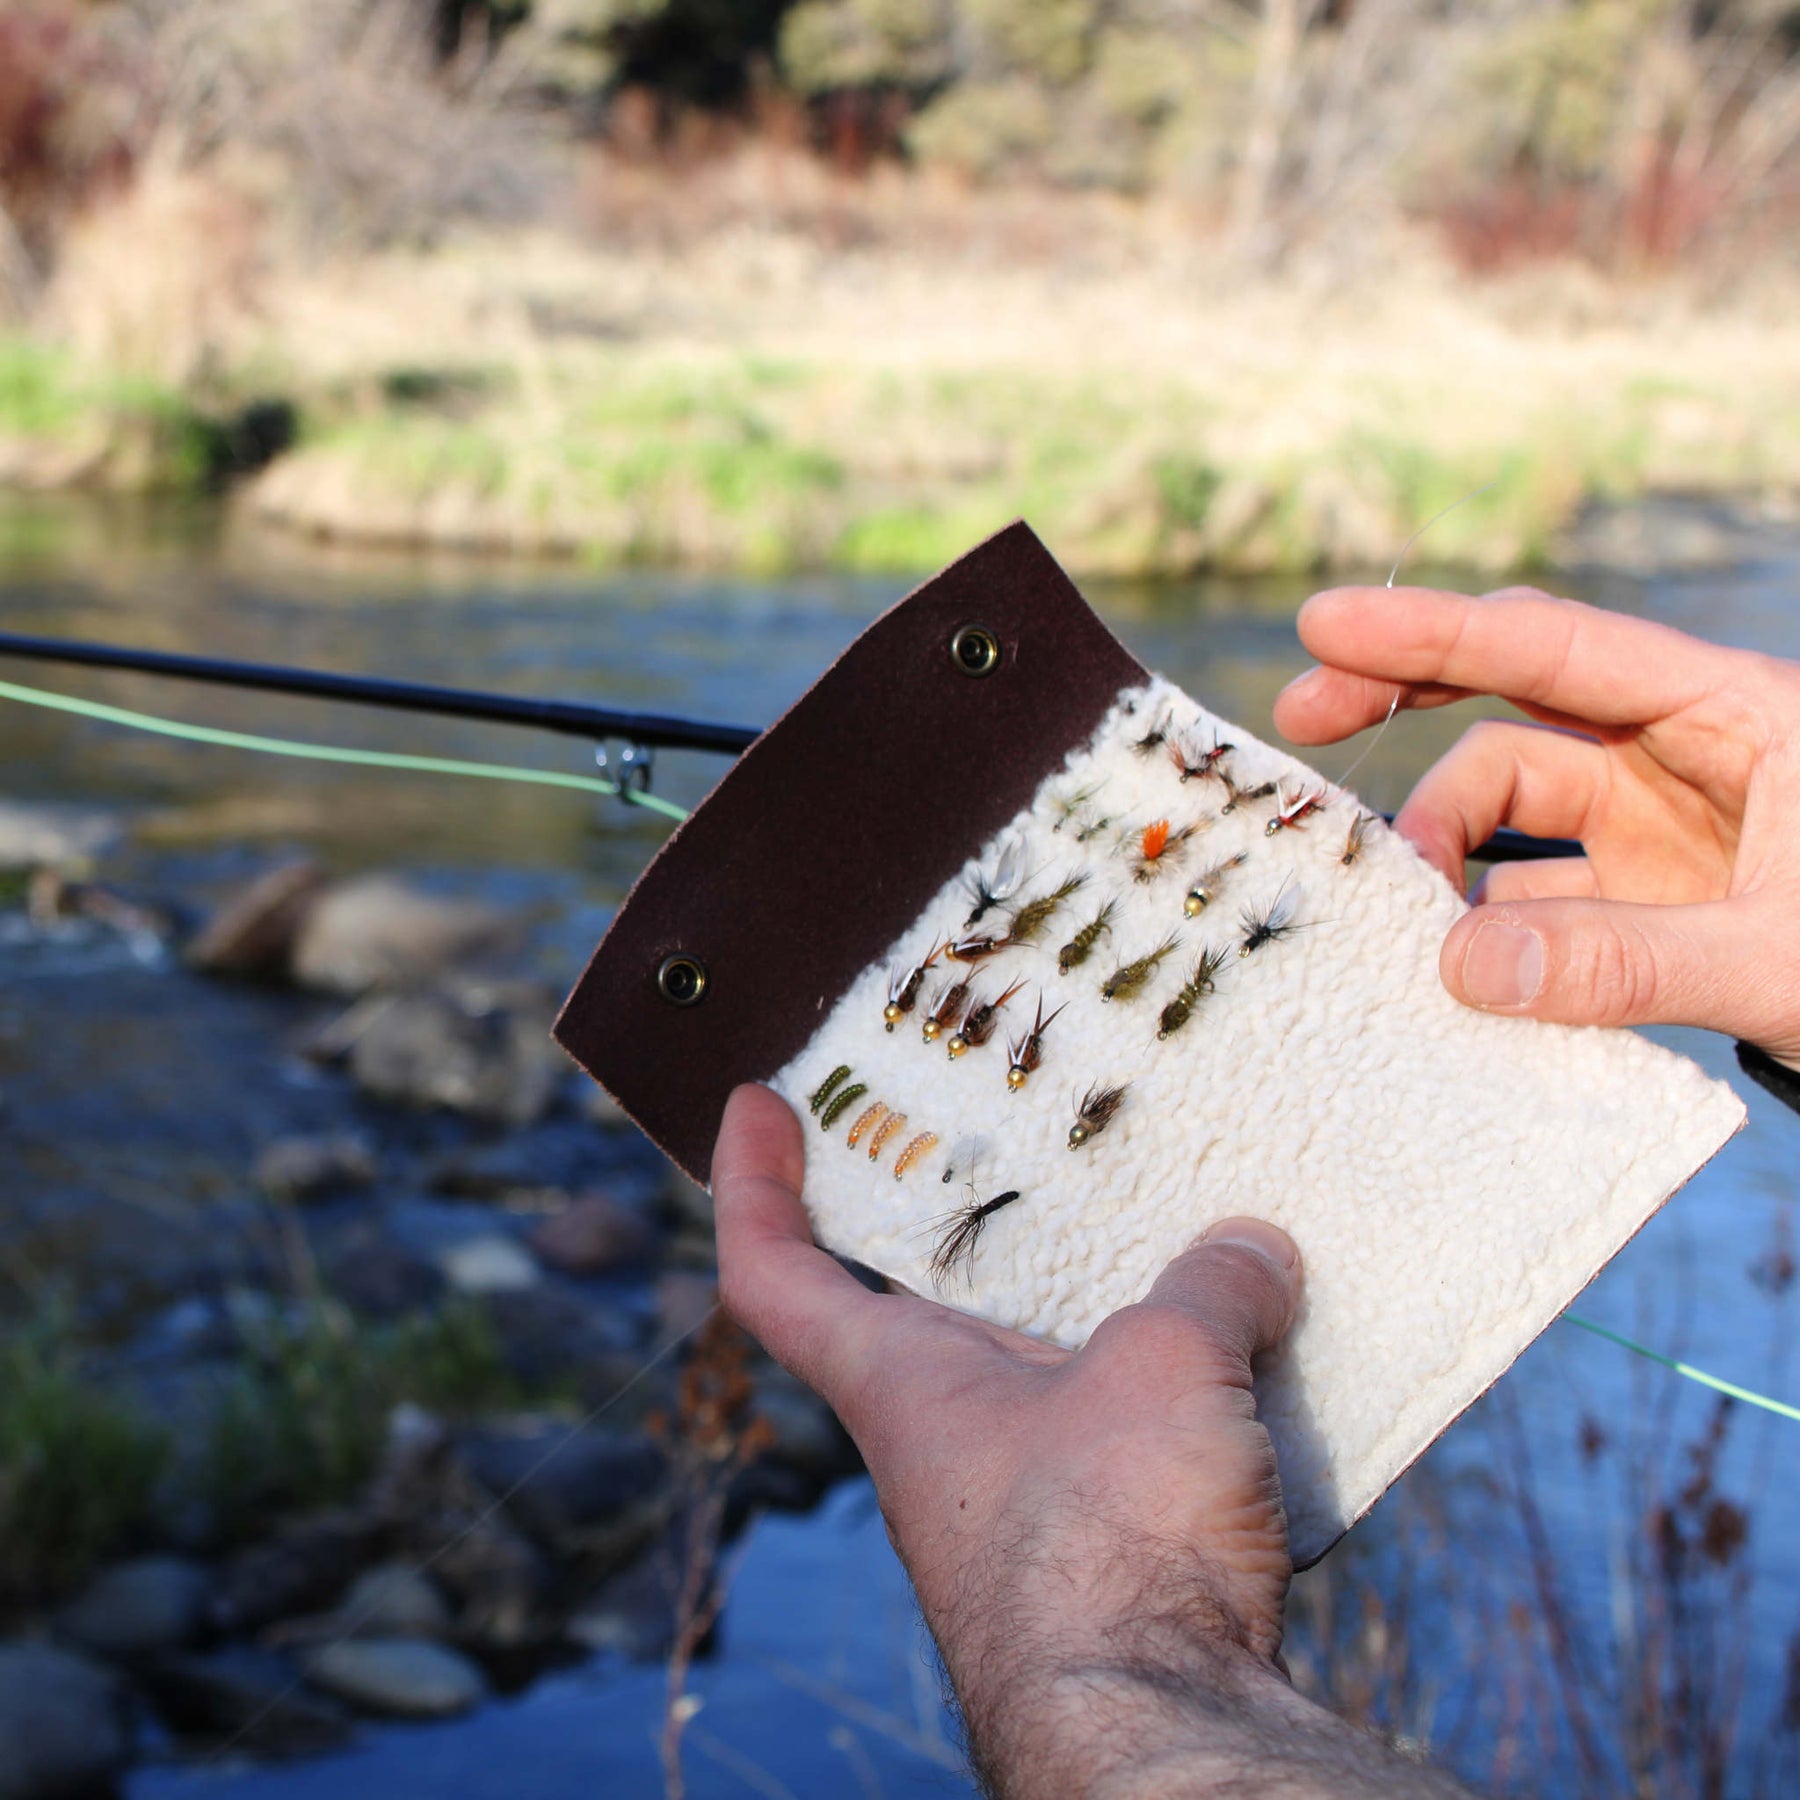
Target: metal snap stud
(682, 980)
(975, 650)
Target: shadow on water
(821, 1688)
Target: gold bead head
(957, 1046)
(931, 1028)
(893, 1014)
(1015, 1077)
(1078, 1135)
(1195, 904)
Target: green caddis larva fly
(1200, 983)
(1034, 915)
(841, 1104)
(1077, 950)
(1127, 981)
(828, 1086)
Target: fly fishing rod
(567, 718)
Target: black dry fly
(1154, 738)
(1096, 1110)
(1273, 922)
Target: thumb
(1608, 962)
(1240, 1284)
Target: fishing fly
(1159, 848)
(1353, 844)
(1067, 807)
(1198, 984)
(864, 1119)
(1196, 765)
(903, 990)
(828, 1086)
(1236, 796)
(1096, 1110)
(1290, 815)
(1127, 981)
(960, 1231)
(1034, 915)
(988, 892)
(1078, 949)
(979, 1022)
(1027, 1050)
(947, 1004)
(976, 949)
(1093, 828)
(1154, 738)
(1272, 923)
(922, 1145)
(1208, 883)
(890, 1127)
(964, 1154)
(841, 1103)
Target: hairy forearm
(1220, 1726)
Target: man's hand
(1096, 1537)
(1674, 762)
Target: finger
(1324, 705)
(1542, 782)
(1728, 965)
(810, 1314)
(1240, 1283)
(1548, 878)
(1520, 644)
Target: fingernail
(1271, 1244)
(1503, 966)
(1301, 683)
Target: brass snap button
(975, 651)
(682, 980)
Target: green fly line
(594, 784)
(332, 753)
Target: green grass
(77, 1465)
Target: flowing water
(821, 1688)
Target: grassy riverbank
(764, 405)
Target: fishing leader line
(332, 753)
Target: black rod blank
(568, 717)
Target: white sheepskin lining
(1453, 1180)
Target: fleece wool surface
(1453, 1180)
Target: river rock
(554, 1335)
(304, 1570)
(63, 1724)
(251, 1697)
(378, 1278)
(135, 1609)
(397, 1678)
(490, 1264)
(559, 1484)
(462, 1049)
(393, 1600)
(378, 932)
(37, 835)
(253, 934)
(593, 1235)
(303, 1168)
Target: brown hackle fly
(1080, 947)
(1271, 923)
(1195, 765)
(976, 949)
(960, 1231)
(1095, 1111)
(1236, 796)
(1127, 981)
(1026, 1051)
(1154, 738)
(1208, 883)
(1159, 848)
(1290, 815)
(828, 1086)
(1359, 832)
(989, 891)
(946, 1007)
(1034, 915)
(868, 1116)
(903, 988)
(979, 1022)
(1198, 984)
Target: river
(1532, 1510)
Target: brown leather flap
(833, 832)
